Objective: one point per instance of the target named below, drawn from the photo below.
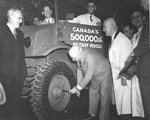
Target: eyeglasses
(20, 18)
(136, 17)
(91, 6)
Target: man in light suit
(93, 68)
(12, 64)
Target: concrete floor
(78, 111)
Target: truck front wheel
(48, 96)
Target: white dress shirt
(136, 37)
(12, 29)
(86, 20)
(50, 20)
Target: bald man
(118, 53)
(128, 100)
(93, 68)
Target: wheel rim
(57, 98)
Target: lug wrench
(65, 91)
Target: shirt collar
(90, 14)
(140, 29)
(10, 27)
(112, 37)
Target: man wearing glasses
(142, 51)
(47, 12)
(137, 20)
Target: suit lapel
(143, 31)
(11, 38)
(83, 61)
(10, 34)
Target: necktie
(137, 35)
(136, 40)
(91, 18)
(110, 44)
(79, 65)
(15, 33)
(49, 20)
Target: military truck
(51, 71)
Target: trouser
(13, 89)
(145, 92)
(100, 98)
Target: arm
(124, 51)
(53, 20)
(75, 20)
(91, 64)
(98, 22)
(79, 75)
(76, 89)
(144, 45)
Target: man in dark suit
(93, 68)
(12, 63)
(142, 51)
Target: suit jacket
(12, 55)
(143, 51)
(94, 68)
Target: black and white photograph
(74, 60)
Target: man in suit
(47, 12)
(12, 63)
(142, 51)
(93, 68)
(137, 19)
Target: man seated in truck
(47, 12)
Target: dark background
(120, 9)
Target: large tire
(48, 101)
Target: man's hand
(130, 57)
(75, 91)
(123, 81)
(98, 23)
